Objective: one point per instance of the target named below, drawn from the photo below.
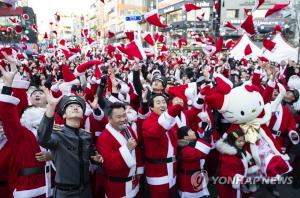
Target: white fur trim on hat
(20, 84)
(290, 136)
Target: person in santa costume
(234, 164)
(191, 150)
(122, 156)
(26, 172)
(283, 125)
(160, 143)
(5, 153)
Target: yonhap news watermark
(200, 180)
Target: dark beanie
(182, 131)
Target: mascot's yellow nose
(253, 110)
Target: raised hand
(52, 101)
(94, 105)
(145, 94)
(8, 76)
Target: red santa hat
(24, 46)
(110, 48)
(277, 28)
(208, 39)
(216, 98)
(182, 41)
(80, 69)
(276, 8)
(14, 20)
(216, 6)
(110, 34)
(134, 49)
(152, 17)
(9, 29)
(149, 39)
(269, 44)
(190, 6)
(24, 39)
(188, 92)
(25, 16)
(62, 42)
(97, 73)
(228, 43)
(91, 41)
(118, 57)
(244, 62)
(258, 4)
(57, 17)
(248, 24)
(162, 39)
(43, 58)
(156, 36)
(130, 35)
(164, 48)
(45, 35)
(229, 25)
(18, 29)
(201, 17)
(34, 28)
(263, 59)
(68, 75)
(276, 166)
(247, 50)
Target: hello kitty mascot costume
(244, 108)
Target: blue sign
(133, 18)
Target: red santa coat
(187, 117)
(5, 153)
(282, 121)
(19, 91)
(190, 161)
(233, 168)
(119, 162)
(160, 142)
(24, 146)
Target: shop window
(232, 13)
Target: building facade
(115, 13)
(234, 12)
(183, 24)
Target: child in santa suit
(192, 180)
(233, 165)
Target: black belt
(32, 171)
(120, 179)
(69, 187)
(3, 183)
(188, 172)
(161, 161)
(276, 133)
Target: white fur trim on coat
(166, 121)
(202, 146)
(9, 99)
(225, 148)
(127, 157)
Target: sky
(45, 9)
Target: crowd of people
(164, 126)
